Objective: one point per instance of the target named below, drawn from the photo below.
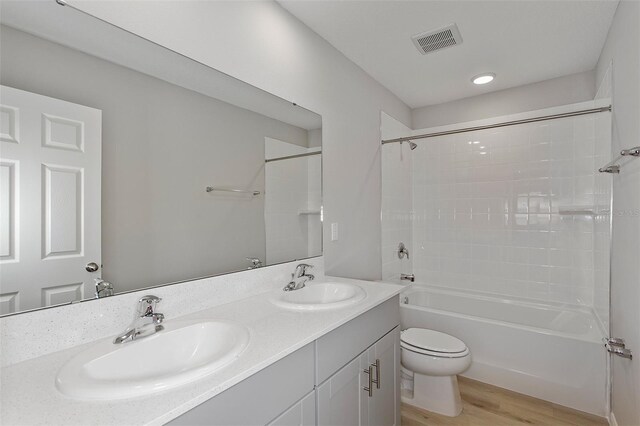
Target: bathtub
(551, 352)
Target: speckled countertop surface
(28, 395)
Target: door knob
(92, 267)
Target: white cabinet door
(366, 396)
(344, 399)
(303, 413)
(340, 397)
(49, 200)
(384, 406)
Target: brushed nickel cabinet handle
(369, 372)
(377, 380)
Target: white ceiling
(521, 41)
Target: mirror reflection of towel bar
(238, 191)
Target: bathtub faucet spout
(407, 277)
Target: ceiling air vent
(438, 39)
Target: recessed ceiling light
(483, 78)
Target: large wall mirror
(125, 162)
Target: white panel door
(50, 168)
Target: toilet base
(438, 394)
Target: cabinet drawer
(258, 399)
(337, 348)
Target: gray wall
(315, 138)
(161, 146)
(623, 48)
(264, 45)
(558, 91)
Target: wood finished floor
(486, 405)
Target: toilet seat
(433, 353)
(432, 343)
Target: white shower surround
(603, 186)
(496, 225)
(484, 207)
(397, 200)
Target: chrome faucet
(407, 277)
(103, 288)
(255, 262)
(299, 278)
(145, 322)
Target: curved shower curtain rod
(503, 124)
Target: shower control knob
(92, 267)
(402, 251)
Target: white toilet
(434, 358)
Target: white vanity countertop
(28, 395)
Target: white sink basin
(183, 352)
(319, 296)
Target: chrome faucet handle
(147, 305)
(146, 320)
(255, 262)
(103, 288)
(157, 318)
(403, 251)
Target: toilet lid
(432, 340)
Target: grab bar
(612, 167)
(238, 191)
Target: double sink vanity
(171, 354)
(324, 353)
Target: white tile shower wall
(602, 199)
(486, 210)
(397, 207)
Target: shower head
(412, 145)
